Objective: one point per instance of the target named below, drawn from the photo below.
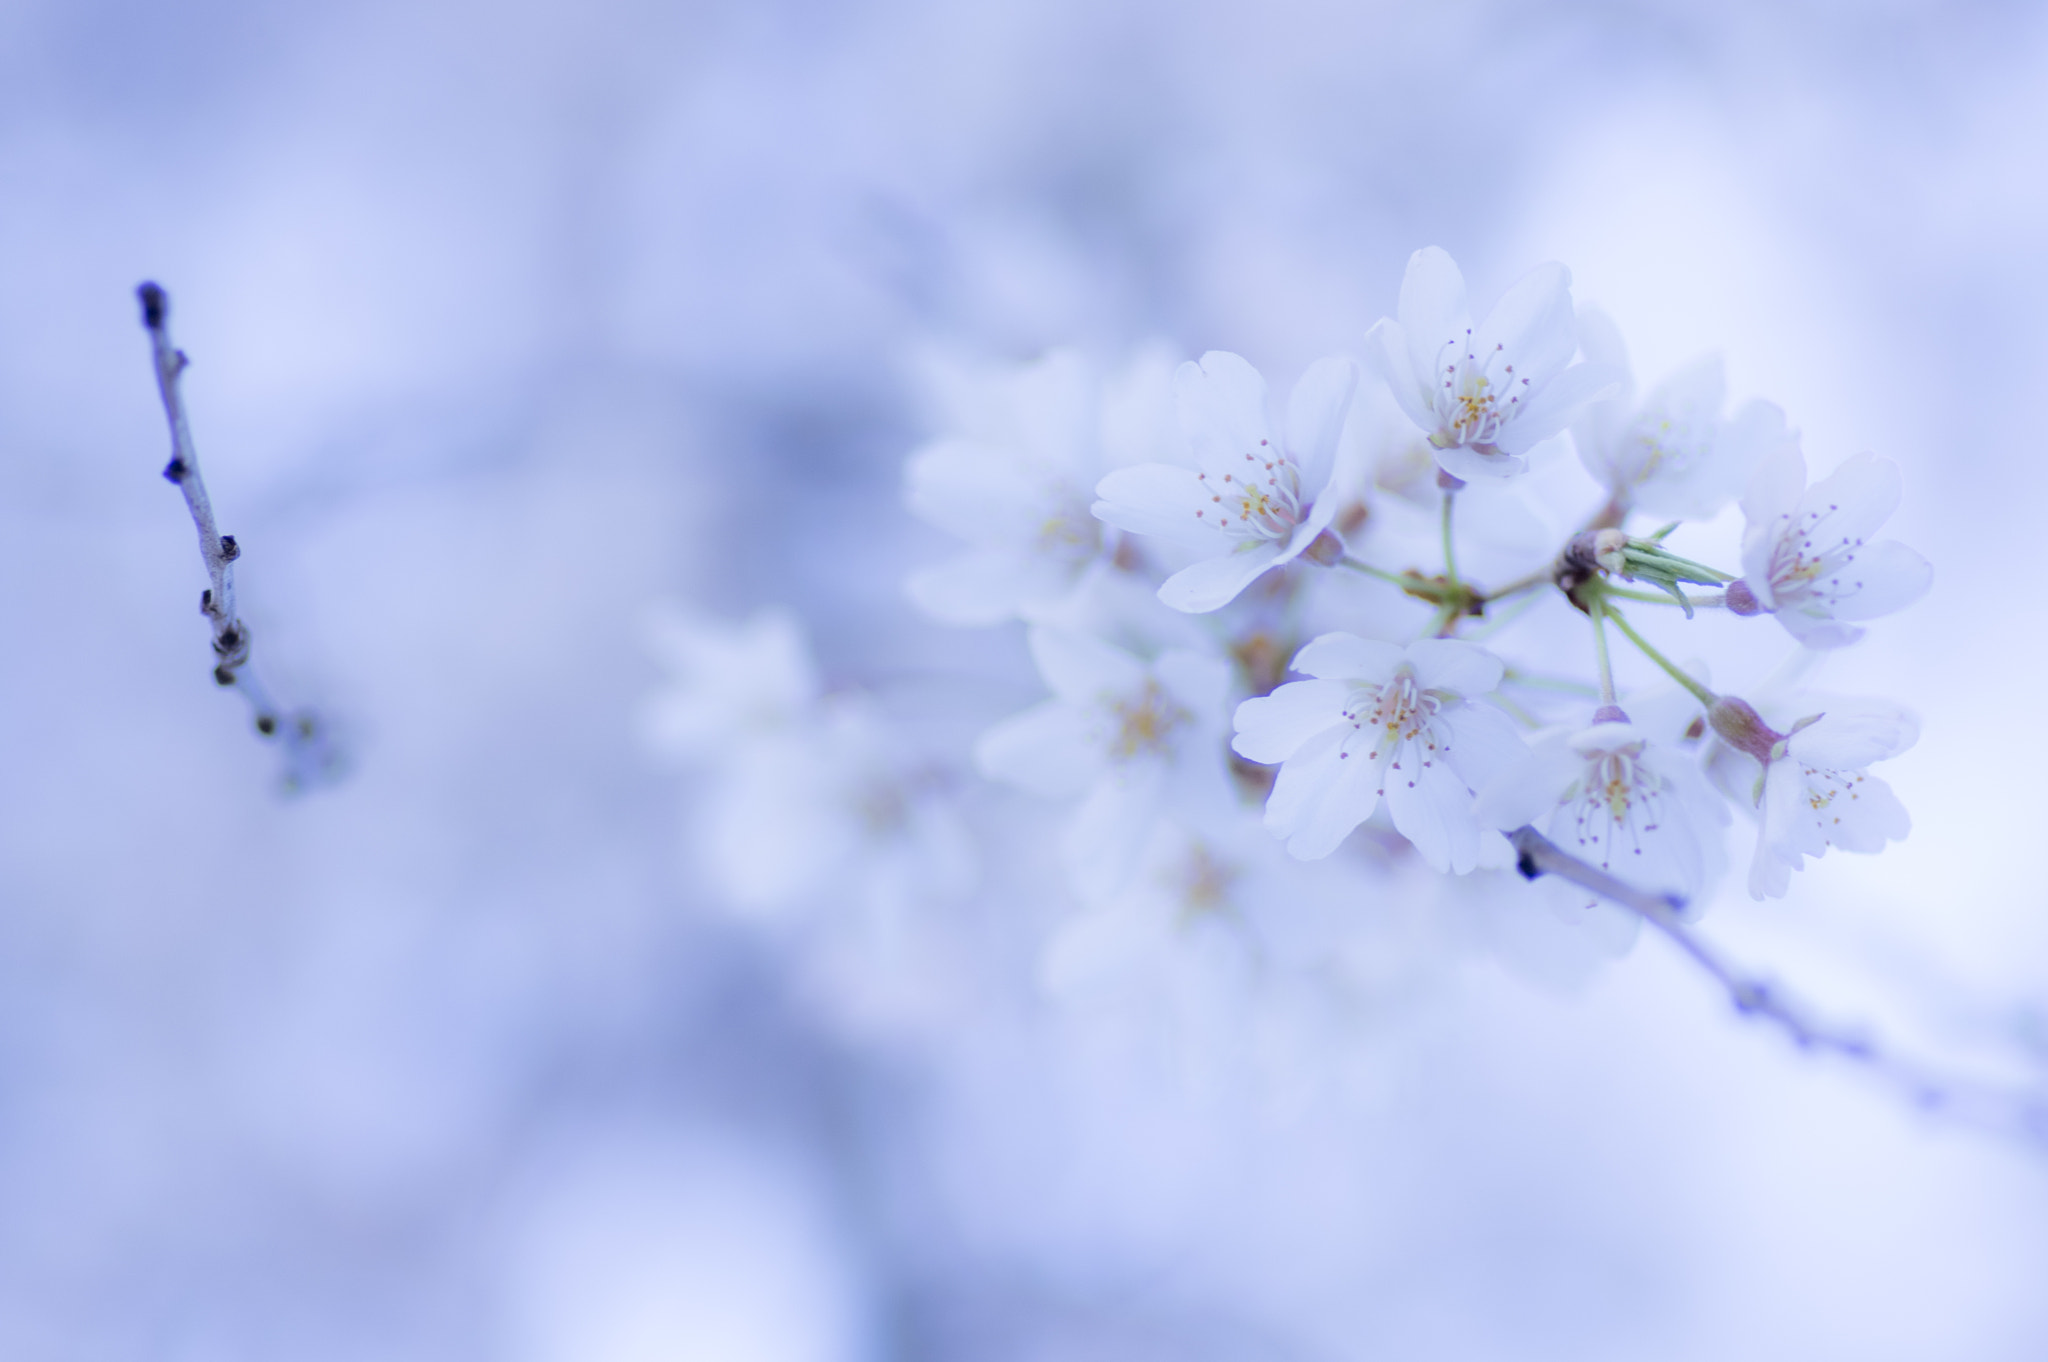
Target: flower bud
(1609, 551)
(1741, 600)
(1742, 728)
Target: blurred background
(510, 322)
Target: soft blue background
(509, 320)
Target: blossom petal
(1046, 750)
(1321, 795)
(1107, 834)
(1463, 461)
(972, 490)
(1083, 670)
(1556, 404)
(1853, 732)
(1889, 576)
(1528, 789)
(1773, 491)
(1272, 728)
(1199, 681)
(1854, 500)
(1533, 324)
(1159, 499)
(1222, 405)
(1315, 419)
(1386, 355)
(1483, 743)
(1453, 665)
(984, 588)
(1432, 808)
(1867, 817)
(1433, 312)
(1214, 582)
(1347, 657)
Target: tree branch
(1975, 1103)
(310, 754)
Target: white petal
(1083, 670)
(1853, 732)
(1199, 681)
(1556, 404)
(1884, 577)
(1386, 355)
(1315, 418)
(1854, 500)
(976, 589)
(1214, 582)
(1483, 742)
(1320, 796)
(1773, 491)
(1160, 499)
(1108, 832)
(1533, 324)
(1347, 657)
(1432, 310)
(1273, 728)
(1222, 405)
(1813, 628)
(1046, 750)
(975, 491)
(1863, 818)
(1769, 877)
(1453, 665)
(1600, 340)
(1462, 461)
(1528, 790)
(1432, 807)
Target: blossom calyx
(1736, 722)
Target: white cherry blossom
(1382, 721)
(1134, 740)
(1486, 394)
(1254, 500)
(1806, 555)
(728, 684)
(1816, 791)
(1670, 452)
(1014, 476)
(1615, 797)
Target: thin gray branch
(310, 755)
(1975, 1103)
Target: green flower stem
(1671, 669)
(1599, 615)
(1369, 570)
(1697, 602)
(1450, 555)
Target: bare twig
(310, 755)
(1976, 1103)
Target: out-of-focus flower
(1613, 796)
(1815, 790)
(1133, 739)
(808, 790)
(728, 684)
(1484, 395)
(1671, 453)
(1383, 721)
(1256, 501)
(1014, 475)
(1806, 556)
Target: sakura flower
(1014, 478)
(836, 806)
(1135, 740)
(1671, 453)
(1381, 721)
(1256, 501)
(1484, 395)
(729, 683)
(1806, 556)
(1613, 796)
(1811, 787)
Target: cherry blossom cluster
(1373, 626)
